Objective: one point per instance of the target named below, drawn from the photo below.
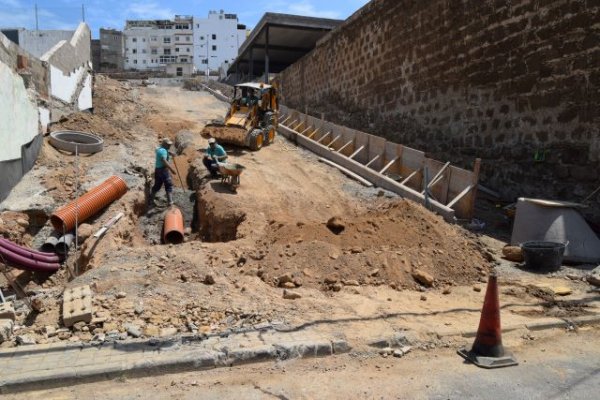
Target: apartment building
(217, 40)
(153, 44)
(205, 43)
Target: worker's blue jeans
(162, 176)
(211, 165)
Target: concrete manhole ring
(86, 143)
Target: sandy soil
(248, 246)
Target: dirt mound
(220, 219)
(384, 246)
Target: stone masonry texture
(515, 82)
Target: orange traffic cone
(487, 350)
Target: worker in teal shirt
(162, 166)
(213, 155)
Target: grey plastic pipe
(62, 247)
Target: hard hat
(212, 140)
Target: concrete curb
(151, 358)
(537, 325)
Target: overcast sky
(66, 14)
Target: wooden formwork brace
(412, 175)
(314, 133)
(323, 137)
(306, 130)
(334, 140)
(388, 165)
(346, 145)
(372, 161)
(438, 177)
(356, 152)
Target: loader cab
(249, 95)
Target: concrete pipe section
(71, 141)
(63, 220)
(173, 227)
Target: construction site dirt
(294, 225)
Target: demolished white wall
(44, 118)
(18, 114)
(64, 86)
(85, 97)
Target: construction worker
(161, 172)
(213, 155)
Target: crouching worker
(161, 172)
(213, 155)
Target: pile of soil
(116, 110)
(386, 245)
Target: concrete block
(77, 305)
(7, 311)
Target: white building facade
(206, 43)
(217, 40)
(151, 45)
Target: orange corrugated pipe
(63, 220)
(173, 228)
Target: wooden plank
(460, 196)
(356, 152)
(306, 130)
(346, 145)
(285, 120)
(372, 161)
(334, 140)
(389, 165)
(323, 137)
(408, 178)
(438, 177)
(476, 169)
(347, 172)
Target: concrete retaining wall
(36, 92)
(516, 83)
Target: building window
(205, 61)
(214, 48)
(153, 51)
(153, 38)
(184, 60)
(201, 37)
(143, 51)
(135, 61)
(197, 25)
(188, 49)
(167, 52)
(134, 51)
(214, 37)
(187, 38)
(167, 39)
(144, 40)
(134, 40)
(167, 59)
(176, 49)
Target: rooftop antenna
(83, 12)
(36, 18)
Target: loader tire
(256, 140)
(270, 134)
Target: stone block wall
(515, 82)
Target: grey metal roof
(290, 38)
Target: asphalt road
(559, 366)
